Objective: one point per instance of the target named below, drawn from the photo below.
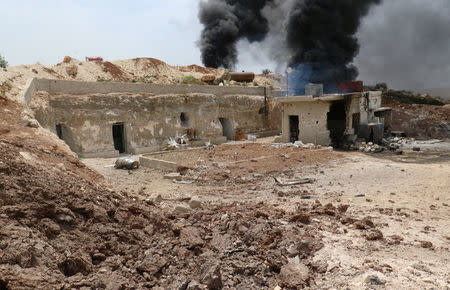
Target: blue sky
(47, 30)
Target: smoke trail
(315, 37)
(406, 44)
(225, 22)
(321, 39)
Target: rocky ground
(419, 120)
(240, 216)
(392, 234)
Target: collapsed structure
(325, 119)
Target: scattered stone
(360, 195)
(304, 218)
(181, 209)
(67, 59)
(173, 176)
(195, 202)
(374, 235)
(294, 276)
(72, 70)
(208, 79)
(426, 244)
(374, 280)
(416, 149)
(212, 278)
(158, 199)
(286, 182)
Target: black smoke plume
(225, 22)
(320, 34)
(322, 42)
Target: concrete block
(158, 164)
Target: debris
(374, 235)
(360, 195)
(172, 144)
(416, 149)
(288, 182)
(181, 209)
(426, 244)
(252, 138)
(173, 176)
(195, 202)
(72, 70)
(374, 280)
(294, 276)
(212, 278)
(182, 181)
(126, 163)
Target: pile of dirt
(419, 120)
(138, 70)
(62, 227)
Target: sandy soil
(407, 201)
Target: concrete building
(333, 118)
(106, 119)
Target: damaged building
(107, 119)
(325, 119)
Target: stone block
(158, 164)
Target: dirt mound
(142, 70)
(419, 120)
(115, 71)
(61, 227)
(198, 69)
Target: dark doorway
(184, 120)
(119, 137)
(59, 131)
(294, 131)
(336, 123)
(227, 128)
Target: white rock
(181, 209)
(173, 175)
(195, 202)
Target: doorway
(59, 131)
(119, 137)
(336, 123)
(294, 131)
(227, 128)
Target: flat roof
(323, 98)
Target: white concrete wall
(312, 121)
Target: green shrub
(3, 62)
(189, 80)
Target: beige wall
(82, 88)
(148, 120)
(312, 121)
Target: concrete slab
(158, 164)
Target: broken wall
(148, 119)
